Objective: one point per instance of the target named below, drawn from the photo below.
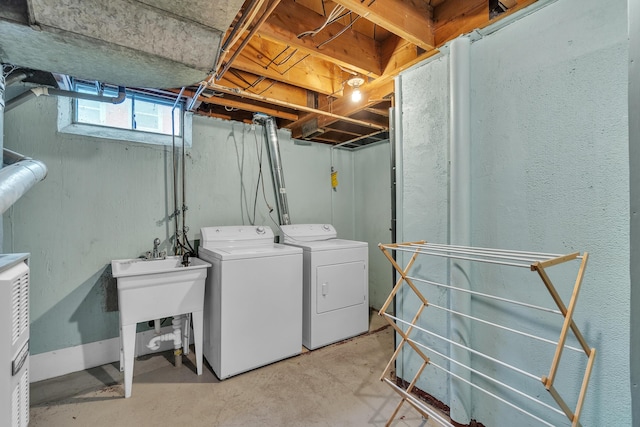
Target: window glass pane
(154, 117)
(90, 112)
(103, 113)
(119, 115)
(137, 112)
(177, 123)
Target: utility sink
(155, 289)
(140, 266)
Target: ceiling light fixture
(355, 83)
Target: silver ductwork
(271, 136)
(17, 179)
(21, 173)
(133, 43)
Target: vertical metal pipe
(634, 185)
(2, 86)
(460, 222)
(271, 137)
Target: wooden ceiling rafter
(350, 50)
(302, 108)
(409, 19)
(302, 79)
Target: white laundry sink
(155, 289)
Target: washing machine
(335, 284)
(253, 299)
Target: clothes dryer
(335, 284)
(253, 299)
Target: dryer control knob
(260, 230)
(326, 227)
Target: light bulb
(356, 95)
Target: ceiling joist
(294, 60)
(348, 49)
(409, 19)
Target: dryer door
(340, 286)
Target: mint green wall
(634, 154)
(105, 200)
(373, 214)
(550, 173)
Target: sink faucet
(156, 243)
(155, 254)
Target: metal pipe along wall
(460, 221)
(271, 135)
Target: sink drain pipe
(175, 336)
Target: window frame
(68, 123)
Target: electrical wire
(243, 190)
(335, 15)
(339, 33)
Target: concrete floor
(337, 385)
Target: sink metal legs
(128, 348)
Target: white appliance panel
(14, 336)
(345, 319)
(232, 235)
(300, 233)
(260, 330)
(253, 306)
(340, 286)
(248, 252)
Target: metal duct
(142, 43)
(21, 174)
(271, 136)
(17, 179)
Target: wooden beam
(409, 19)
(455, 17)
(345, 107)
(296, 107)
(252, 107)
(248, 106)
(299, 70)
(350, 49)
(263, 86)
(383, 113)
(217, 116)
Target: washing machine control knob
(326, 227)
(260, 230)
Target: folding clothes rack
(534, 261)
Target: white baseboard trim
(55, 363)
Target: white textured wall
(105, 200)
(550, 168)
(373, 214)
(423, 202)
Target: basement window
(142, 117)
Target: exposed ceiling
(291, 59)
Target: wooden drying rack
(534, 261)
